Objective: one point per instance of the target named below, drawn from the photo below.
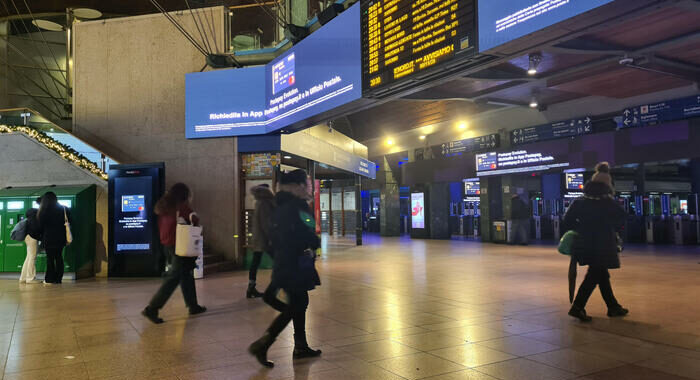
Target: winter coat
(262, 219)
(33, 227)
(52, 224)
(292, 235)
(519, 209)
(597, 218)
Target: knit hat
(602, 174)
(297, 176)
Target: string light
(64, 151)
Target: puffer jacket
(597, 218)
(262, 219)
(292, 236)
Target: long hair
(178, 194)
(48, 201)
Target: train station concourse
(350, 189)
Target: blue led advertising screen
(502, 21)
(322, 72)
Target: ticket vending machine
(134, 244)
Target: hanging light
(534, 102)
(48, 25)
(535, 60)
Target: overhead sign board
(451, 148)
(310, 147)
(561, 129)
(502, 21)
(319, 74)
(403, 38)
(515, 162)
(651, 114)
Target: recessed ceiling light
(389, 142)
(287, 157)
(422, 137)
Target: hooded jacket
(597, 218)
(262, 219)
(292, 234)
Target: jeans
(294, 311)
(181, 274)
(600, 277)
(254, 265)
(519, 231)
(54, 265)
(29, 266)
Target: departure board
(402, 38)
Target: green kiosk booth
(79, 256)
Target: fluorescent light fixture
(287, 157)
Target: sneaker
(197, 310)
(617, 311)
(47, 283)
(580, 314)
(35, 281)
(305, 352)
(152, 315)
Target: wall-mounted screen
(320, 73)
(515, 162)
(574, 181)
(418, 210)
(501, 21)
(472, 188)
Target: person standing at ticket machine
(53, 219)
(173, 205)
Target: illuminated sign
(418, 210)
(472, 187)
(514, 162)
(401, 38)
(317, 75)
(574, 181)
(501, 21)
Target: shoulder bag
(188, 239)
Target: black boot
(197, 310)
(152, 315)
(617, 311)
(579, 313)
(259, 349)
(302, 349)
(252, 292)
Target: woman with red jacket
(173, 205)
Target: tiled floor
(390, 310)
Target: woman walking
(173, 205)
(597, 219)
(53, 221)
(262, 219)
(294, 242)
(28, 275)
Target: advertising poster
(418, 210)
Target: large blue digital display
(322, 72)
(502, 21)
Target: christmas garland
(64, 151)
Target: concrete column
(439, 211)
(358, 210)
(640, 179)
(695, 176)
(389, 204)
(238, 239)
(3, 68)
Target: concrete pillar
(439, 211)
(695, 176)
(389, 204)
(238, 239)
(358, 210)
(640, 179)
(491, 205)
(3, 68)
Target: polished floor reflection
(392, 309)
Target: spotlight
(389, 142)
(535, 60)
(534, 103)
(462, 126)
(287, 157)
(422, 137)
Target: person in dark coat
(597, 218)
(294, 242)
(520, 215)
(52, 222)
(262, 220)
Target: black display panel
(134, 244)
(402, 38)
(574, 181)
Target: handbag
(188, 239)
(567, 242)
(69, 235)
(19, 233)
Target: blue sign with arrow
(651, 114)
(569, 128)
(471, 145)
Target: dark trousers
(600, 277)
(294, 311)
(54, 265)
(254, 265)
(181, 274)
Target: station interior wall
(26, 163)
(130, 103)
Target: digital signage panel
(402, 38)
(574, 181)
(418, 210)
(472, 188)
(515, 162)
(133, 229)
(501, 21)
(319, 74)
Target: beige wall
(130, 103)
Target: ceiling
(662, 38)
(107, 7)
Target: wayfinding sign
(491, 141)
(655, 113)
(561, 129)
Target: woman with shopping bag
(181, 237)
